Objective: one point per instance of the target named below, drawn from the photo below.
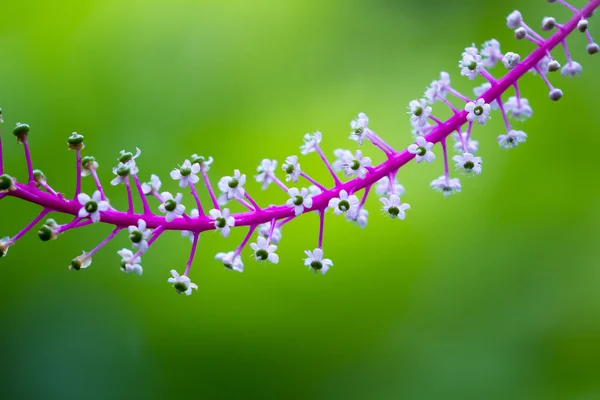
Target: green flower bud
(125, 156)
(123, 170)
(7, 183)
(38, 177)
(20, 131)
(87, 161)
(45, 233)
(75, 141)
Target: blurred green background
(489, 294)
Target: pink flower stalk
(146, 227)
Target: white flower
(355, 165)
(182, 284)
(5, 243)
(344, 204)
(266, 170)
(393, 207)
(542, 65)
(438, 89)
(139, 235)
(478, 111)
(153, 186)
(383, 187)
(171, 206)
(422, 150)
(511, 139)
(316, 262)
(291, 168)
(128, 264)
(92, 207)
(79, 262)
(223, 220)
(362, 218)
(88, 164)
(230, 262)
(189, 234)
(233, 186)
(446, 185)
(510, 60)
(571, 69)
(491, 53)
(514, 20)
(420, 112)
(202, 161)
(481, 89)
(518, 109)
(359, 128)
(299, 200)
(264, 229)
(468, 162)
(264, 251)
(340, 155)
(472, 145)
(128, 159)
(473, 51)
(311, 142)
(122, 172)
(187, 174)
(470, 66)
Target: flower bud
(125, 156)
(5, 243)
(553, 66)
(548, 24)
(582, 25)
(39, 177)
(7, 183)
(1, 120)
(75, 141)
(82, 261)
(592, 48)
(20, 131)
(514, 20)
(556, 94)
(520, 33)
(45, 233)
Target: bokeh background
(489, 294)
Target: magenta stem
(1, 153)
(68, 226)
(195, 194)
(469, 130)
(158, 196)
(98, 184)
(567, 52)
(28, 158)
(329, 167)
(278, 182)
(78, 168)
(462, 140)
(517, 93)
(108, 239)
(311, 180)
(379, 142)
(570, 7)
(244, 242)
(544, 78)
(446, 169)
(271, 230)
(321, 227)
(285, 221)
(245, 203)
(251, 200)
(210, 189)
(532, 32)
(138, 185)
(364, 199)
(37, 219)
(588, 35)
(434, 119)
(48, 188)
(487, 76)
(155, 235)
(129, 196)
(455, 93)
(447, 102)
(504, 117)
(192, 254)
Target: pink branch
(37, 219)
(192, 253)
(28, 158)
(98, 184)
(105, 241)
(329, 167)
(210, 189)
(78, 161)
(138, 185)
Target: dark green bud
(136, 236)
(197, 159)
(75, 139)
(38, 176)
(125, 156)
(6, 182)
(233, 183)
(317, 265)
(298, 200)
(262, 254)
(170, 205)
(394, 211)
(75, 264)
(220, 223)
(123, 170)
(87, 161)
(45, 233)
(21, 129)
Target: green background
(489, 294)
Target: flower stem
(364, 199)
(311, 180)
(244, 242)
(446, 169)
(78, 169)
(329, 167)
(129, 197)
(98, 184)
(278, 182)
(192, 254)
(28, 159)
(37, 219)
(321, 227)
(210, 189)
(105, 241)
(455, 93)
(504, 117)
(251, 200)
(138, 185)
(195, 194)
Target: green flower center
(123, 170)
(298, 200)
(184, 171)
(394, 211)
(478, 110)
(469, 165)
(5, 182)
(359, 131)
(262, 254)
(125, 157)
(170, 205)
(45, 233)
(472, 66)
(421, 151)
(91, 207)
(180, 286)
(355, 165)
(289, 169)
(197, 160)
(344, 205)
(418, 111)
(75, 139)
(85, 161)
(317, 265)
(136, 236)
(233, 183)
(75, 264)
(220, 222)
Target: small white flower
(311, 142)
(478, 111)
(422, 150)
(384, 188)
(393, 207)
(470, 66)
(139, 235)
(266, 170)
(292, 169)
(264, 251)
(88, 164)
(344, 204)
(128, 264)
(359, 128)
(122, 172)
(314, 259)
(233, 186)
(510, 60)
(264, 229)
(542, 65)
(420, 112)
(5, 243)
(189, 234)
(182, 283)
(514, 20)
(299, 200)
(153, 186)
(171, 206)
(7, 183)
(340, 155)
(362, 218)
(230, 262)
(128, 159)
(355, 165)
(571, 69)
(491, 53)
(472, 145)
(472, 50)
(187, 174)
(446, 185)
(79, 262)
(518, 109)
(511, 139)
(223, 220)
(481, 89)
(203, 162)
(468, 162)
(92, 207)
(438, 89)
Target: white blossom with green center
(299, 200)
(233, 186)
(316, 262)
(186, 174)
(91, 206)
(171, 206)
(223, 220)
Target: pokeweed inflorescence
(144, 228)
